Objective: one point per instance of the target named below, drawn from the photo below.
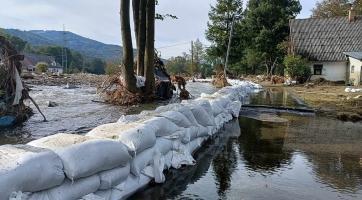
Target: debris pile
(220, 81)
(13, 92)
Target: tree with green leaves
(336, 8)
(96, 66)
(267, 22)
(296, 67)
(17, 42)
(219, 26)
(41, 67)
(198, 55)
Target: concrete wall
(355, 77)
(332, 71)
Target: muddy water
(308, 157)
(77, 112)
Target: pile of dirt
(220, 81)
(71, 79)
(322, 81)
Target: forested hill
(87, 47)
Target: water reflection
(276, 97)
(261, 145)
(309, 157)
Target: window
(318, 69)
(352, 69)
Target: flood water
(309, 157)
(77, 112)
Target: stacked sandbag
(28, 169)
(115, 160)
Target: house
(31, 60)
(323, 42)
(354, 67)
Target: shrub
(297, 68)
(42, 67)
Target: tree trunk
(136, 17)
(141, 39)
(150, 48)
(129, 80)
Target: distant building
(355, 67)
(31, 60)
(323, 42)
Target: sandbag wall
(115, 160)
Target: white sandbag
(186, 111)
(203, 131)
(136, 136)
(82, 158)
(28, 169)
(92, 197)
(163, 145)
(202, 117)
(190, 134)
(179, 108)
(180, 158)
(177, 118)
(141, 161)
(205, 104)
(194, 145)
(111, 130)
(168, 160)
(216, 107)
(234, 108)
(138, 139)
(162, 126)
(125, 189)
(19, 195)
(126, 119)
(212, 130)
(69, 190)
(155, 170)
(114, 177)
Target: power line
(173, 45)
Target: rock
(52, 104)
(7, 121)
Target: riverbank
(332, 101)
(71, 79)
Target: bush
(42, 67)
(112, 68)
(297, 68)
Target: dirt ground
(331, 100)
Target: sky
(99, 20)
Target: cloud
(99, 19)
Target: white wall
(332, 71)
(355, 77)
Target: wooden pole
(229, 45)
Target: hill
(87, 47)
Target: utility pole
(229, 45)
(192, 57)
(64, 51)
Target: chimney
(351, 16)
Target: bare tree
(150, 47)
(141, 38)
(129, 80)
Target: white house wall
(332, 71)
(355, 77)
